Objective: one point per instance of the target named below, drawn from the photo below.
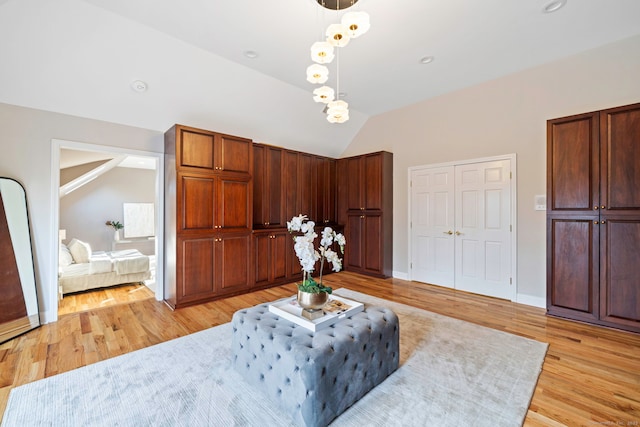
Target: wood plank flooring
(591, 375)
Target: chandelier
(351, 26)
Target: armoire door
(461, 227)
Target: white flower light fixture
(324, 94)
(352, 25)
(322, 52)
(338, 35)
(317, 73)
(356, 23)
(338, 111)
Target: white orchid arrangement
(308, 255)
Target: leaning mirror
(18, 299)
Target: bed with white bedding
(81, 269)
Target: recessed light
(251, 54)
(139, 86)
(554, 5)
(427, 60)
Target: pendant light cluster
(351, 26)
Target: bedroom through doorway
(107, 227)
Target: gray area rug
(452, 373)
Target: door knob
(448, 232)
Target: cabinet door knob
(603, 222)
(595, 208)
(595, 222)
(602, 207)
(448, 232)
(458, 233)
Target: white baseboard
(540, 302)
(400, 275)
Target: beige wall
(25, 155)
(507, 115)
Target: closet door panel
(197, 195)
(196, 264)
(620, 151)
(573, 163)
(572, 257)
(235, 205)
(620, 289)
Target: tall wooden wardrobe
(593, 217)
(365, 207)
(208, 215)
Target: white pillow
(80, 251)
(64, 258)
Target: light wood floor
(103, 297)
(591, 375)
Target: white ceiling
(79, 57)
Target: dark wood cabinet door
(261, 256)
(234, 205)
(196, 195)
(354, 256)
(307, 186)
(353, 183)
(620, 166)
(278, 249)
(270, 257)
(235, 154)
(260, 201)
(234, 263)
(195, 149)
(290, 187)
(572, 267)
(573, 169)
(273, 191)
(619, 272)
(372, 181)
(196, 270)
(373, 242)
(327, 191)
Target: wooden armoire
(593, 217)
(365, 207)
(208, 215)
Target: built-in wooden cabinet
(228, 200)
(593, 217)
(208, 215)
(288, 183)
(365, 206)
(270, 254)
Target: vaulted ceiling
(79, 57)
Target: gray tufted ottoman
(315, 376)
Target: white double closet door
(461, 227)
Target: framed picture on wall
(139, 220)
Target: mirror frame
(18, 225)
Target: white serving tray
(289, 309)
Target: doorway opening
(93, 185)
